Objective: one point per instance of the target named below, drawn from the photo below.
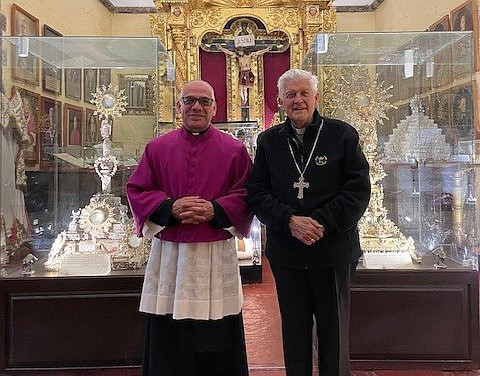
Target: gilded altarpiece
(183, 24)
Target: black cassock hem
(194, 347)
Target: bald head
(196, 84)
(197, 105)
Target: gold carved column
(181, 25)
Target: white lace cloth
(194, 280)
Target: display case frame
(414, 298)
(388, 86)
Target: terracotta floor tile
(267, 373)
(262, 324)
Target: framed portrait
(462, 17)
(25, 68)
(441, 112)
(313, 11)
(443, 24)
(73, 125)
(50, 135)
(462, 20)
(462, 113)
(104, 77)
(177, 13)
(89, 84)
(443, 71)
(92, 128)
(51, 75)
(139, 92)
(405, 85)
(73, 83)
(31, 113)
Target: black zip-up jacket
(337, 196)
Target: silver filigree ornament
(110, 103)
(97, 218)
(417, 138)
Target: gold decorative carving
(329, 20)
(199, 17)
(241, 3)
(284, 17)
(365, 102)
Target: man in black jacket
(310, 186)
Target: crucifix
(245, 41)
(246, 78)
(301, 184)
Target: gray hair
(296, 74)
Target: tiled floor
(262, 331)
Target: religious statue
(246, 78)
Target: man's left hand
(198, 212)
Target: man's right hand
(305, 229)
(192, 209)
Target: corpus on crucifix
(246, 78)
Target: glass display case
(411, 98)
(76, 115)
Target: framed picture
(51, 75)
(441, 112)
(50, 135)
(405, 85)
(462, 20)
(462, 17)
(443, 72)
(73, 121)
(92, 128)
(73, 83)
(462, 113)
(313, 12)
(31, 113)
(443, 24)
(89, 84)
(104, 77)
(26, 67)
(139, 92)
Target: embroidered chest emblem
(321, 160)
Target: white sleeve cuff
(232, 230)
(150, 229)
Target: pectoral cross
(300, 184)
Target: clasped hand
(193, 210)
(305, 229)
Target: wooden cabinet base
(415, 319)
(419, 319)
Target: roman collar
(312, 128)
(198, 136)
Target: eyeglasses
(204, 101)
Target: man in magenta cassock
(188, 191)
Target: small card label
(85, 264)
(387, 260)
